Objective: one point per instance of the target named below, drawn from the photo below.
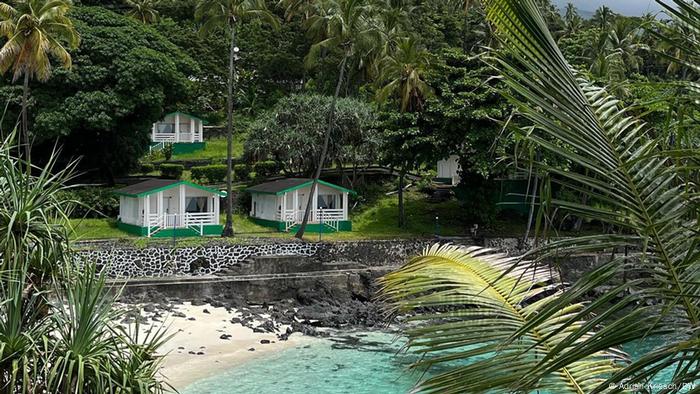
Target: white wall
(448, 168)
(129, 210)
(265, 206)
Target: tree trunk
(331, 115)
(25, 124)
(228, 228)
(402, 210)
(532, 210)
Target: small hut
(281, 205)
(167, 208)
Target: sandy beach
(201, 346)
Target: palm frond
(483, 324)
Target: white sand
(181, 368)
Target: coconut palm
(634, 188)
(143, 10)
(469, 304)
(35, 31)
(402, 74)
(226, 15)
(345, 26)
(603, 17)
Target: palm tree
(143, 10)
(470, 304)
(603, 17)
(343, 25)
(35, 31)
(226, 15)
(402, 74)
(638, 190)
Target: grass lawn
(215, 149)
(85, 229)
(378, 221)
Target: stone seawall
(122, 261)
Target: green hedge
(241, 172)
(147, 168)
(172, 171)
(266, 169)
(214, 173)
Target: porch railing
(196, 220)
(163, 137)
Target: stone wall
(162, 260)
(159, 261)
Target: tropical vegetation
(510, 322)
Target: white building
(448, 170)
(178, 127)
(281, 205)
(167, 208)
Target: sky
(625, 7)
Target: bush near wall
(266, 169)
(94, 202)
(241, 172)
(171, 171)
(147, 168)
(215, 173)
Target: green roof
(286, 185)
(187, 114)
(153, 186)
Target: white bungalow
(281, 205)
(167, 208)
(184, 131)
(448, 170)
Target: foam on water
(358, 362)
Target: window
(196, 204)
(328, 201)
(165, 127)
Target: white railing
(200, 218)
(154, 223)
(327, 215)
(163, 137)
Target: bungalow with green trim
(185, 131)
(281, 204)
(167, 208)
(448, 170)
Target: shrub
(215, 173)
(93, 202)
(266, 169)
(168, 151)
(147, 168)
(172, 171)
(241, 172)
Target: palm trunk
(228, 228)
(402, 210)
(324, 151)
(25, 124)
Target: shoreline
(205, 341)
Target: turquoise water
(356, 362)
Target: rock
(225, 336)
(251, 349)
(200, 353)
(206, 311)
(149, 308)
(264, 341)
(178, 314)
(191, 318)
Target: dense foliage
(291, 133)
(124, 76)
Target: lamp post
(437, 226)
